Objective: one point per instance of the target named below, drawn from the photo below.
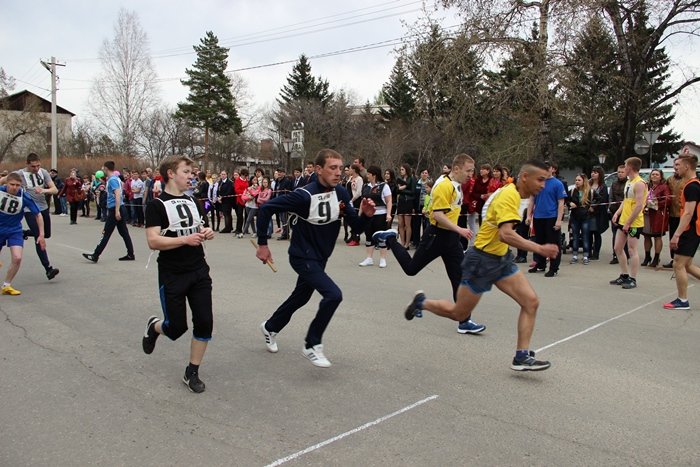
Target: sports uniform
(628, 204)
(31, 181)
(491, 259)
(315, 211)
(183, 273)
(12, 210)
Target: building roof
(19, 101)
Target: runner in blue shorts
(13, 201)
(489, 262)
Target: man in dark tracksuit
(318, 208)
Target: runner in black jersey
(175, 227)
(315, 211)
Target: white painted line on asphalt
(69, 246)
(351, 432)
(661, 298)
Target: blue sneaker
(382, 236)
(470, 327)
(415, 308)
(678, 304)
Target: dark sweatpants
(435, 243)
(312, 276)
(34, 227)
(546, 233)
(109, 226)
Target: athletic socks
(192, 369)
(521, 354)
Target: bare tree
(641, 28)
(21, 127)
(7, 83)
(126, 88)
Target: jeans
(580, 229)
(137, 211)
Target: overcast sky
(259, 32)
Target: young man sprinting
(686, 239)
(490, 262)
(316, 209)
(174, 227)
(13, 201)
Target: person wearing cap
(545, 213)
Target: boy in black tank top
(175, 227)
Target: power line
(241, 41)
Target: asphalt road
(77, 389)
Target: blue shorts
(481, 270)
(12, 239)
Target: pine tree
(302, 85)
(399, 94)
(210, 104)
(591, 85)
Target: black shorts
(375, 224)
(481, 270)
(634, 232)
(177, 289)
(688, 243)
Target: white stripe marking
(68, 246)
(605, 322)
(351, 432)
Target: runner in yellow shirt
(491, 262)
(630, 219)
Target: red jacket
(73, 188)
(239, 186)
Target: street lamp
(288, 144)
(601, 158)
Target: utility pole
(51, 66)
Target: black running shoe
(413, 309)
(529, 364)
(90, 257)
(127, 258)
(193, 382)
(535, 269)
(150, 335)
(551, 273)
(619, 281)
(52, 272)
(629, 283)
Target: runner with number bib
(315, 212)
(13, 201)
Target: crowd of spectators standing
(589, 202)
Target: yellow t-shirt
(446, 197)
(629, 203)
(503, 207)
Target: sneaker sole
(270, 348)
(150, 321)
(529, 367)
(464, 331)
(676, 307)
(408, 313)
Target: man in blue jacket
(316, 210)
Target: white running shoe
(367, 262)
(270, 341)
(315, 355)
(382, 263)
